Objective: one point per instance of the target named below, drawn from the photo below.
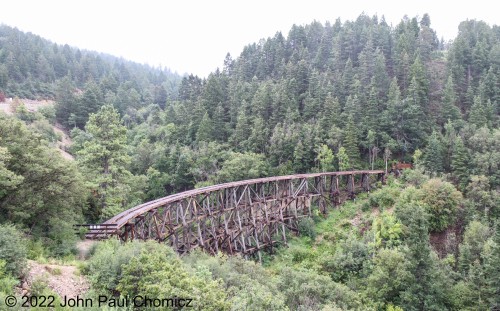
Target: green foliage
(104, 268)
(485, 156)
(12, 250)
(348, 259)
(492, 269)
(351, 144)
(387, 231)
(475, 236)
(433, 154)
(442, 202)
(460, 162)
(389, 277)
(307, 227)
(343, 159)
(155, 272)
(482, 198)
(248, 284)
(240, 166)
(306, 290)
(415, 177)
(425, 288)
(384, 197)
(45, 189)
(7, 282)
(104, 159)
(325, 159)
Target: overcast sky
(191, 36)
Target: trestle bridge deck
(237, 217)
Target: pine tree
(219, 126)
(205, 129)
(420, 84)
(433, 154)
(299, 158)
(257, 142)
(351, 143)
(460, 162)
(424, 290)
(477, 114)
(370, 120)
(241, 132)
(492, 270)
(104, 158)
(449, 110)
(331, 113)
(325, 159)
(343, 159)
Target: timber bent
(237, 217)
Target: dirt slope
(64, 280)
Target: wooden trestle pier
(237, 217)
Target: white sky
(193, 36)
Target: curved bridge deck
(237, 217)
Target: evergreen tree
(351, 143)
(477, 114)
(257, 141)
(492, 270)
(219, 125)
(241, 132)
(104, 158)
(299, 158)
(460, 162)
(425, 287)
(343, 159)
(205, 129)
(449, 110)
(433, 154)
(419, 84)
(325, 159)
(331, 113)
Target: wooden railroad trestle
(238, 217)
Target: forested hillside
(324, 97)
(32, 67)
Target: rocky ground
(66, 281)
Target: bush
(248, 284)
(307, 290)
(307, 227)
(348, 260)
(7, 282)
(442, 201)
(415, 177)
(157, 273)
(104, 269)
(385, 197)
(12, 250)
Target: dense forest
(327, 97)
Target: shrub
(7, 282)
(442, 201)
(157, 273)
(12, 250)
(385, 197)
(307, 227)
(307, 290)
(104, 269)
(248, 284)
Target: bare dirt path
(63, 280)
